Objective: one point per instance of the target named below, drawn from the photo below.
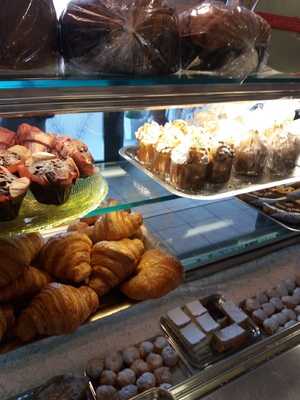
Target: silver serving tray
(236, 185)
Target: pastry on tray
(12, 193)
(51, 178)
(16, 255)
(113, 262)
(147, 136)
(157, 274)
(66, 308)
(67, 256)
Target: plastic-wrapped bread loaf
(127, 37)
(228, 40)
(28, 36)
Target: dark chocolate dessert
(220, 166)
(131, 37)
(51, 178)
(12, 193)
(28, 35)
(229, 40)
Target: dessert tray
(237, 185)
(280, 204)
(86, 195)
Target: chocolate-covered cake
(28, 35)
(229, 40)
(127, 37)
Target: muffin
(51, 178)
(171, 136)
(251, 148)
(12, 193)
(14, 157)
(189, 163)
(147, 137)
(283, 153)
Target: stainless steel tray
(234, 187)
(154, 394)
(209, 357)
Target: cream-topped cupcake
(147, 137)
(189, 162)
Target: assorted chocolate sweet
(220, 325)
(221, 144)
(122, 375)
(48, 164)
(276, 309)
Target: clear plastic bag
(137, 37)
(228, 40)
(28, 37)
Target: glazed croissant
(117, 225)
(17, 254)
(7, 319)
(67, 256)
(157, 274)
(28, 284)
(113, 262)
(58, 309)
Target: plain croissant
(16, 254)
(58, 309)
(157, 274)
(113, 262)
(28, 284)
(67, 256)
(116, 225)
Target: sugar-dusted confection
(159, 344)
(272, 293)
(297, 310)
(94, 368)
(105, 392)
(108, 377)
(114, 362)
(146, 348)
(154, 361)
(290, 301)
(282, 289)
(130, 355)
(281, 318)
(192, 334)
(290, 314)
(259, 316)
(178, 317)
(207, 323)
(234, 312)
(252, 304)
(290, 284)
(268, 308)
(277, 303)
(195, 308)
(290, 323)
(169, 356)
(163, 375)
(146, 381)
(271, 325)
(262, 297)
(127, 392)
(140, 367)
(228, 337)
(126, 377)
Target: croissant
(7, 319)
(28, 284)
(113, 262)
(117, 225)
(58, 309)
(157, 274)
(17, 254)
(67, 256)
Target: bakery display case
(149, 173)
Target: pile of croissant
(51, 287)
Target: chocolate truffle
(126, 377)
(94, 368)
(108, 377)
(105, 392)
(146, 348)
(277, 303)
(252, 304)
(259, 316)
(113, 362)
(154, 361)
(169, 356)
(140, 367)
(146, 381)
(159, 344)
(127, 392)
(268, 308)
(130, 355)
(163, 375)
